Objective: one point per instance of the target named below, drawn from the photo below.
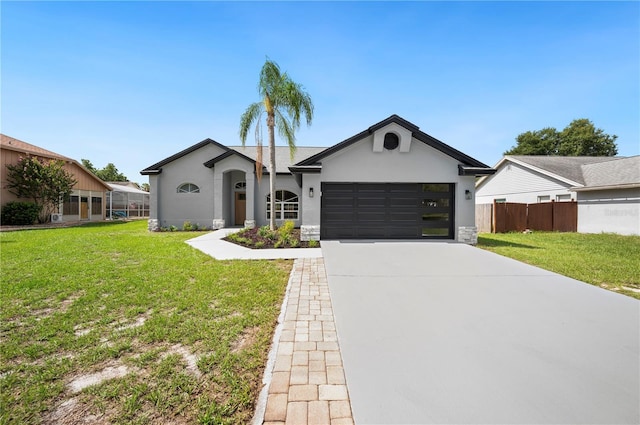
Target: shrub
(285, 239)
(265, 232)
(173, 228)
(286, 229)
(294, 243)
(187, 226)
(20, 213)
(245, 241)
(313, 244)
(259, 244)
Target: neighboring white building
(607, 189)
(389, 181)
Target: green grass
(75, 301)
(606, 260)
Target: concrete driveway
(435, 333)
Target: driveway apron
(447, 333)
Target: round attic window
(391, 141)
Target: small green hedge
(19, 213)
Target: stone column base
(153, 225)
(249, 224)
(309, 233)
(218, 223)
(468, 235)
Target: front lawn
(165, 333)
(606, 260)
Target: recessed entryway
(240, 208)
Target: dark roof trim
(210, 163)
(475, 171)
(157, 167)
(416, 133)
(306, 169)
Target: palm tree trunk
(272, 169)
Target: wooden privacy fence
(510, 216)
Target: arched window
(240, 185)
(287, 205)
(188, 188)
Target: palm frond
(259, 152)
(286, 131)
(251, 115)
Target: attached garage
(387, 210)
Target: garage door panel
(403, 202)
(402, 217)
(363, 216)
(370, 202)
(386, 210)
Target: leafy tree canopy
(45, 182)
(580, 138)
(108, 174)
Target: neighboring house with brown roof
(87, 201)
(389, 181)
(607, 189)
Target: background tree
(284, 102)
(580, 138)
(45, 182)
(145, 187)
(108, 174)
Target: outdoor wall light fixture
(467, 194)
(310, 192)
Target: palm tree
(284, 102)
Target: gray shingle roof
(617, 171)
(283, 158)
(569, 167)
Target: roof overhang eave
(475, 171)
(305, 169)
(151, 172)
(606, 187)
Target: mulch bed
(254, 237)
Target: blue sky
(134, 82)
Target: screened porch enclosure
(126, 201)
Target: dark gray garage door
(387, 211)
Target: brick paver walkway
(308, 383)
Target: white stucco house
(607, 189)
(389, 181)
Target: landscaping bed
(286, 236)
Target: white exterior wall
(283, 182)
(311, 206)
(609, 211)
(422, 164)
(515, 183)
(172, 208)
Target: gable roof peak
(394, 119)
(157, 167)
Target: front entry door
(84, 208)
(240, 207)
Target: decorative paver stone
(308, 383)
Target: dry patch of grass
(112, 324)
